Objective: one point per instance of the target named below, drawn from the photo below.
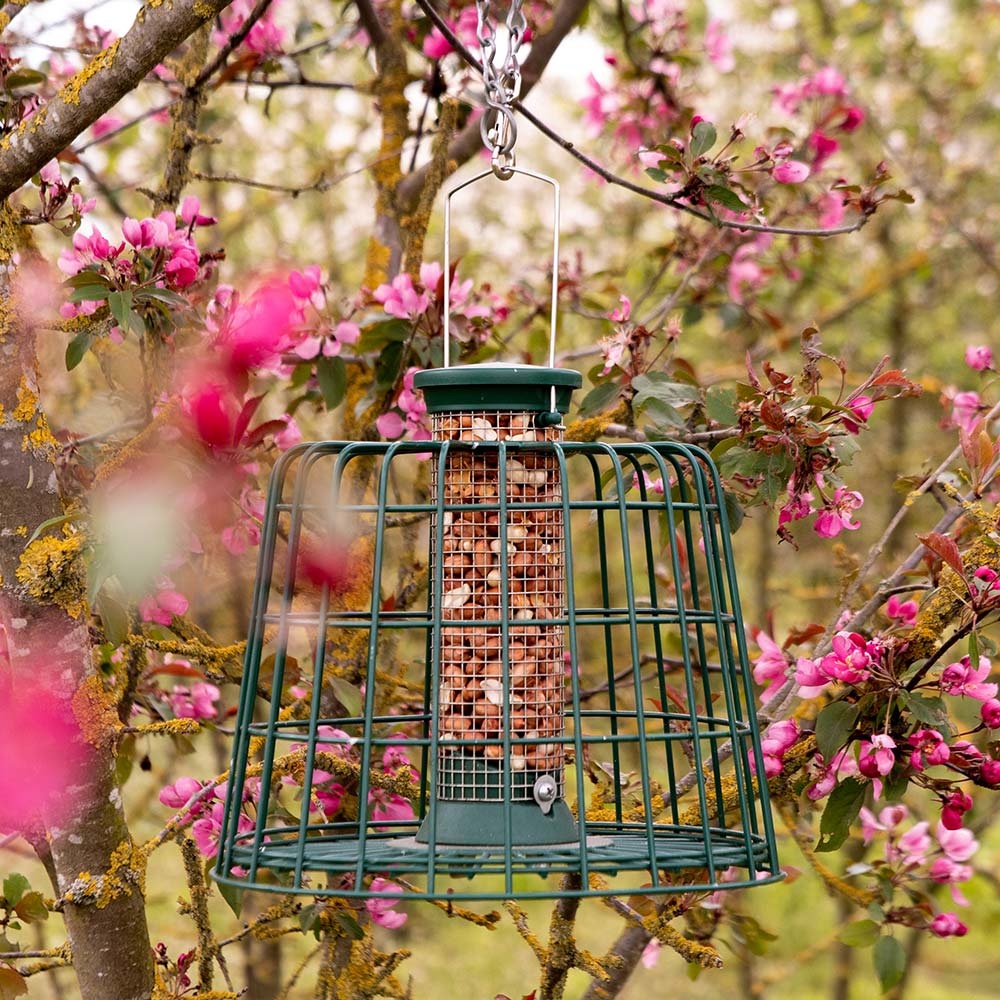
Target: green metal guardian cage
(568, 694)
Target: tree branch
(105, 80)
(467, 143)
(10, 11)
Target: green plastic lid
(497, 386)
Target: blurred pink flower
(979, 357)
(382, 911)
(790, 172)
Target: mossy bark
(108, 936)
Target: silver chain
(503, 84)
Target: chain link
(503, 85)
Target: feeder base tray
(608, 853)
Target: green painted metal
(658, 685)
(526, 388)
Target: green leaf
(12, 983)
(350, 925)
(657, 385)
(77, 349)
(89, 293)
(890, 962)
(390, 360)
(164, 295)
(348, 695)
(720, 405)
(833, 726)
(24, 78)
(114, 617)
(32, 907)
(15, 886)
(375, 337)
(841, 811)
(725, 197)
(661, 414)
(331, 373)
(656, 174)
(734, 512)
(52, 522)
(703, 137)
(233, 895)
(599, 398)
(930, 711)
(120, 304)
(860, 934)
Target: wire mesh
(596, 637)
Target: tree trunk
(44, 620)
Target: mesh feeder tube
(498, 591)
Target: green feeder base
(470, 809)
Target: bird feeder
(569, 678)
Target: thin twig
(671, 201)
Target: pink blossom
(966, 407)
(623, 311)
(107, 124)
(929, 748)
(961, 678)
(955, 807)
(778, 738)
(771, 667)
(390, 425)
(212, 409)
(828, 82)
(851, 659)
(796, 508)
(905, 612)
(888, 819)
(853, 117)
(958, 844)
(823, 147)
(191, 213)
(382, 910)
(842, 765)
(831, 210)
(790, 172)
(991, 713)
(162, 607)
(810, 677)
(651, 485)
(718, 46)
(948, 925)
(266, 38)
(989, 773)
(401, 299)
(913, 845)
(877, 756)
(836, 516)
(181, 792)
(196, 702)
(861, 407)
(979, 357)
(651, 953)
(290, 436)
(388, 807)
(745, 273)
(613, 348)
(42, 758)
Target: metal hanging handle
(545, 179)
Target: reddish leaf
(772, 414)
(779, 380)
(246, 415)
(176, 670)
(945, 549)
(389, 604)
(261, 431)
(12, 983)
(799, 635)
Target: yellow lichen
(52, 571)
(40, 440)
(27, 402)
(22, 530)
(96, 711)
(71, 90)
(126, 871)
